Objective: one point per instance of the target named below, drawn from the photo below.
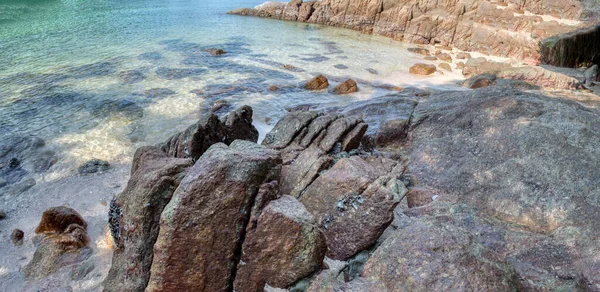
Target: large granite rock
(202, 228)
(135, 214)
(497, 28)
(196, 139)
(284, 246)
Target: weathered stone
(346, 87)
(207, 218)
(352, 204)
(57, 219)
(284, 247)
(135, 214)
(422, 69)
(196, 139)
(318, 83)
(287, 128)
(463, 56)
(435, 255)
(418, 197)
(444, 57)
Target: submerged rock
(283, 247)
(216, 52)
(318, 83)
(159, 92)
(173, 74)
(207, 218)
(93, 166)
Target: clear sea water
(99, 78)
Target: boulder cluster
(483, 190)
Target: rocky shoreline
(559, 33)
(493, 189)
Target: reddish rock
(135, 214)
(57, 219)
(318, 83)
(58, 246)
(346, 87)
(202, 227)
(422, 69)
(352, 203)
(274, 88)
(434, 255)
(284, 247)
(480, 81)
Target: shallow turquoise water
(98, 78)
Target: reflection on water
(99, 78)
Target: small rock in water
(444, 57)
(424, 52)
(273, 88)
(94, 166)
(318, 83)
(340, 66)
(445, 66)
(17, 236)
(346, 87)
(159, 92)
(57, 219)
(216, 52)
(372, 71)
(430, 58)
(422, 69)
(2, 215)
(150, 56)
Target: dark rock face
(63, 242)
(135, 214)
(93, 166)
(318, 83)
(354, 202)
(194, 141)
(283, 247)
(346, 87)
(433, 255)
(207, 218)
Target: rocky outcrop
(203, 227)
(63, 241)
(283, 247)
(318, 83)
(433, 255)
(496, 28)
(135, 214)
(194, 141)
(354, 202)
